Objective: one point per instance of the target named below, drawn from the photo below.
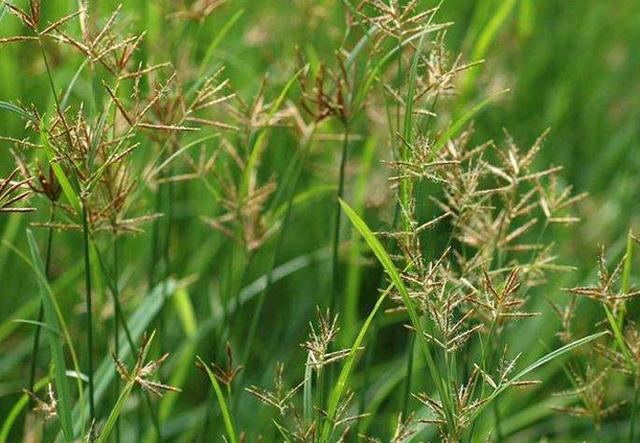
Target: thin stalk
(494, 404)
(338, 219)
(168, 233)
(89, 324)
(36, 337)
(335, 279)
(116, 317)
(321, 387)
(165, 257)
(155, 258)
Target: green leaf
(55, 341)
(487, 36)
(67, 189)
(619, 336)
(226, 415)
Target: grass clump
(216, 171)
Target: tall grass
(205, 175)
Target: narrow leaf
(226, 415)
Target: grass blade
(72, 83)
(526, 18)
(67, 189)
(226, 415)
(487, 36)
(544, 360)
(115, 412)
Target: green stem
(89, 325)
(335, 279)
(116, 317)
(336, 227)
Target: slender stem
(335, 287)
(89, 326)
(36, 337)
(116, 317)
(338, 219)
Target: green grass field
(319, 221)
